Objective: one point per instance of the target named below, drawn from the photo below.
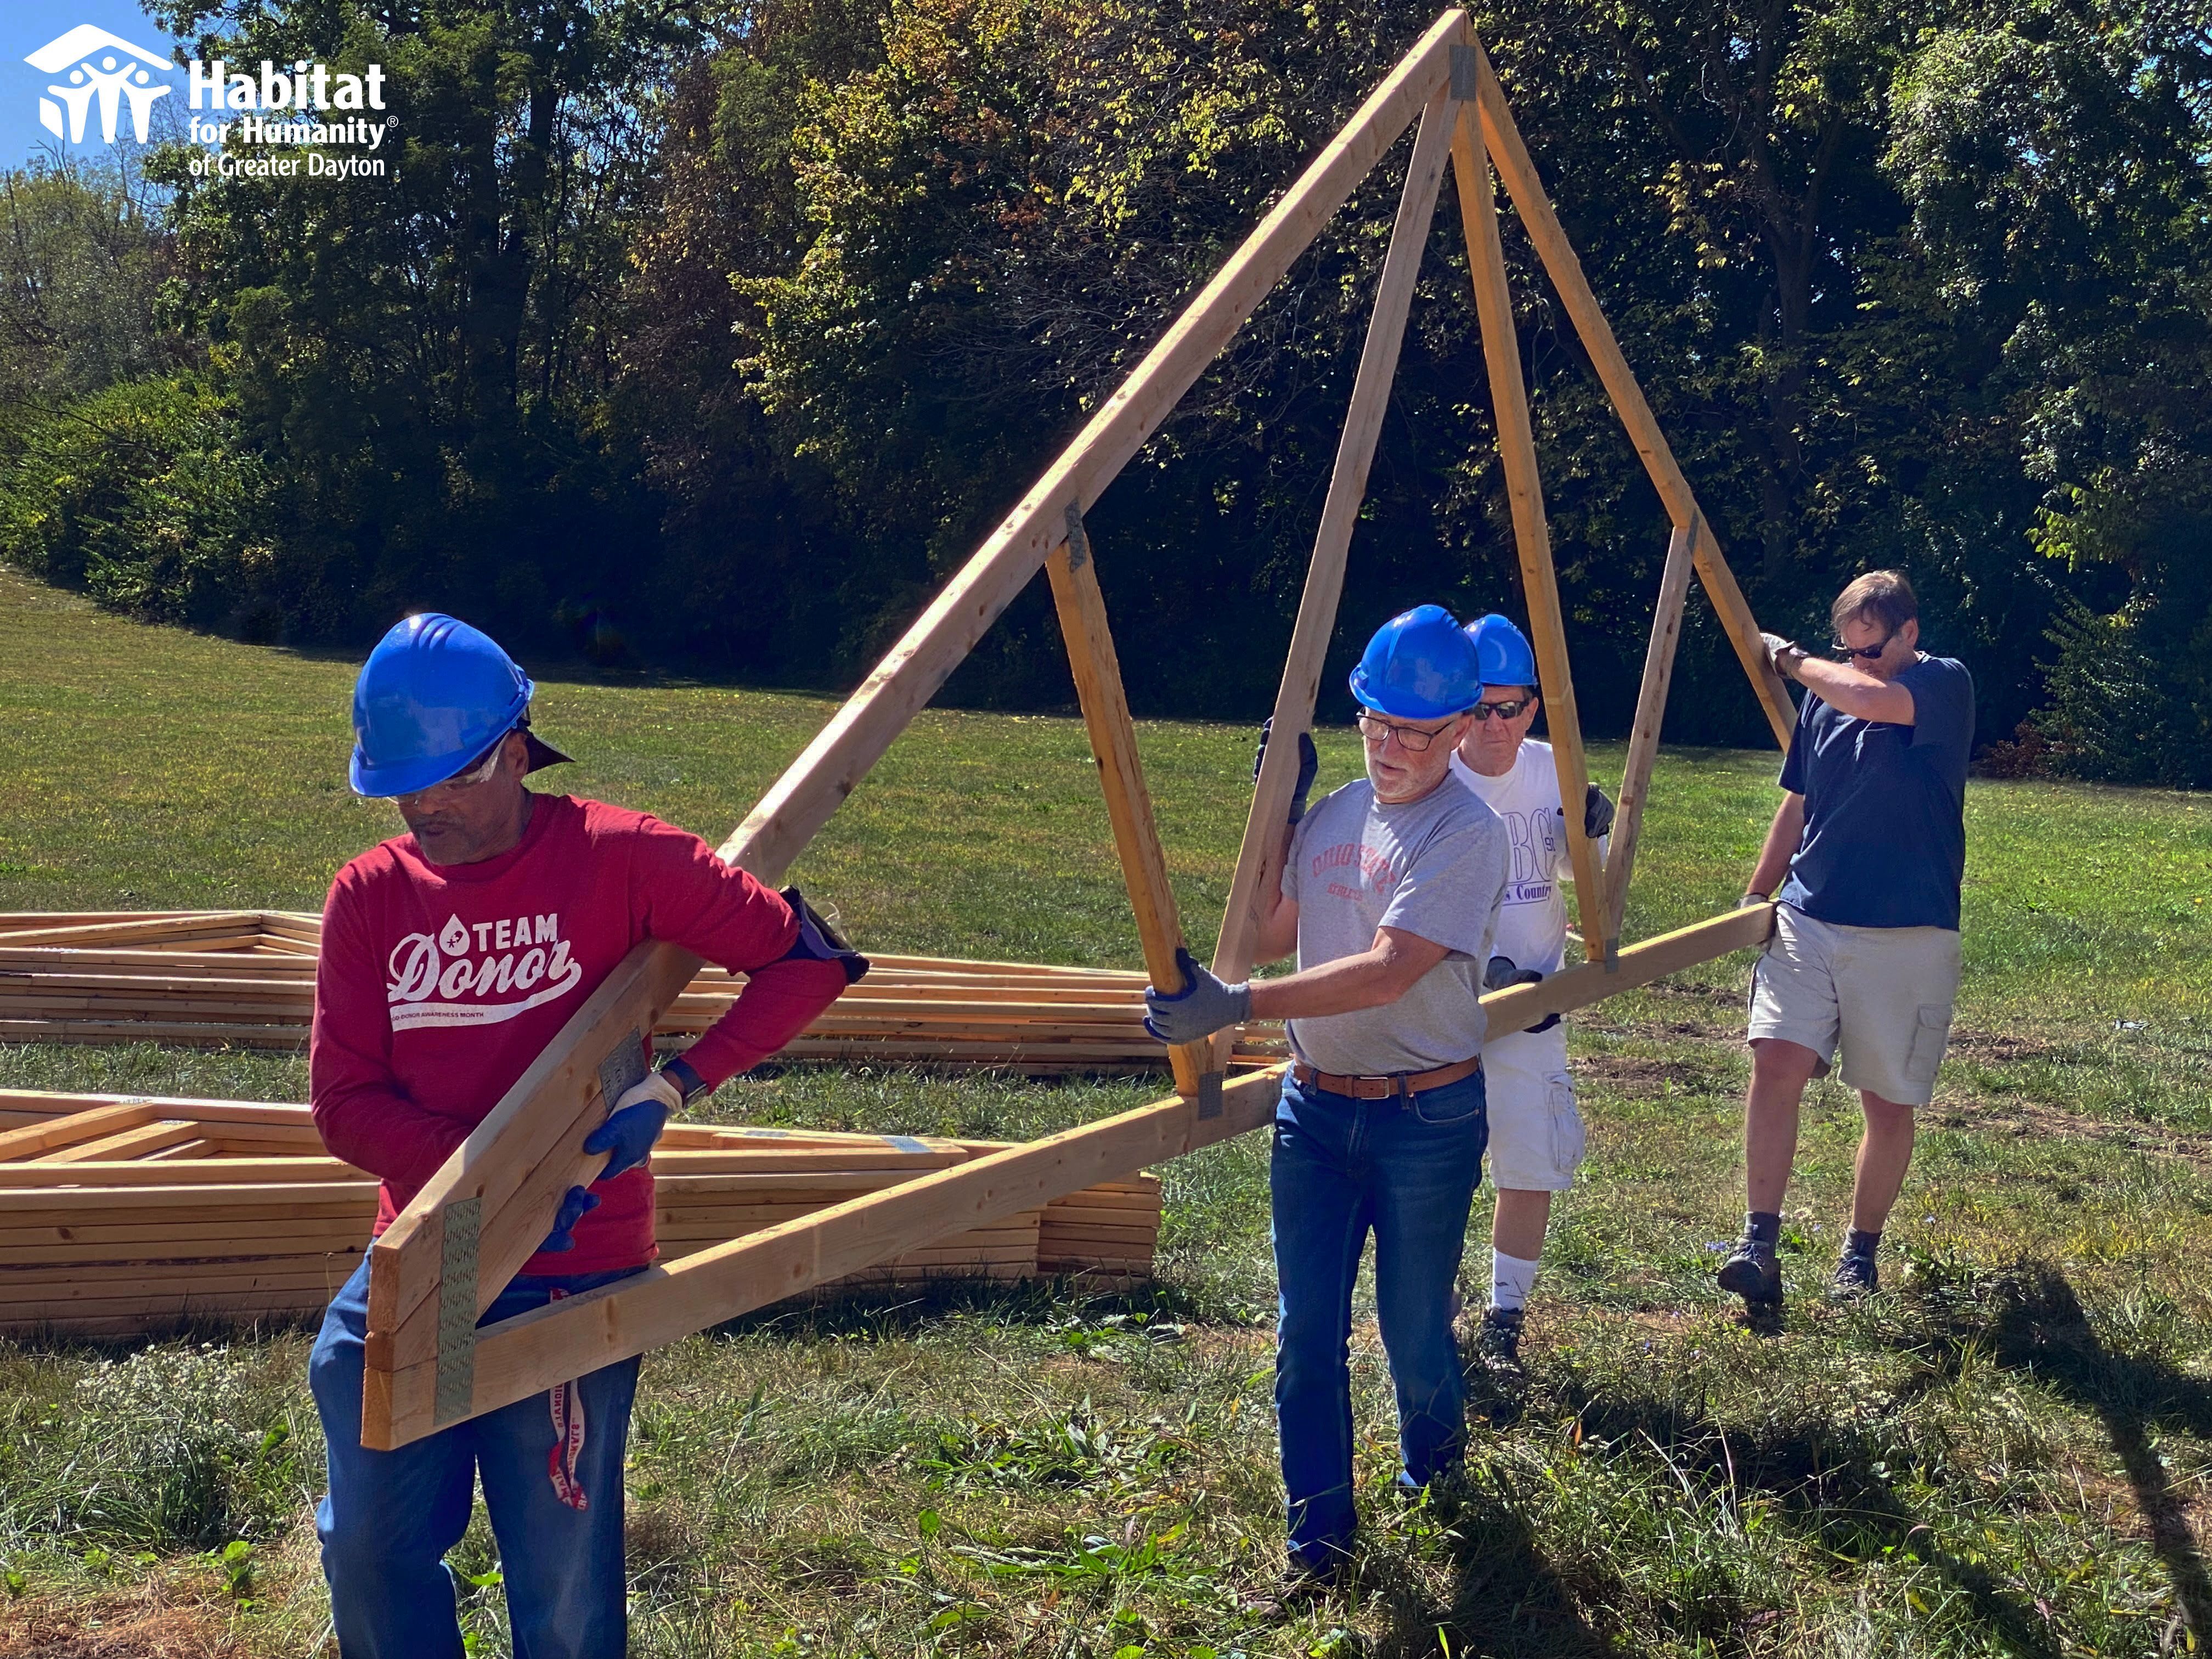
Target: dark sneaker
(1752, 1273)
(1499, 1339)
(1856, 1276)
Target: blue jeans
(1408, 1170)
(555, 1502)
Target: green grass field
(2010, 1452)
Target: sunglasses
(1869, 652)
(1511, 710)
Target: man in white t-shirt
(1535, 1129)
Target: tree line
(712, 336)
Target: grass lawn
(2008, 1452)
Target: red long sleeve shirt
(439, 984)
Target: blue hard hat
(1420, 666)
(431, 698)
(1502, 652)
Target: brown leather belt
(1396, 1086)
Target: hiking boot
(1497, 1339)
(1751, 1272)
(1856, 1277)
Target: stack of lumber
(121, 1215)
(246, 978)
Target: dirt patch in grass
(141, 1626)
(2025, 1118)
(1630, 1074)
(1999, 1048)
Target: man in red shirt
(451, 956)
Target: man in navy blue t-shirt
(1872, 837)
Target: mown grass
(2010, 1452)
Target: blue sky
(27, 25)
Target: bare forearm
(1276, 935)
(1343, 986)
(1782, 837)
(1853, 691)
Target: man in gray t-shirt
(1388, 891)
(1433, 867)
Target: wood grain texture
(1105, 704)
(1650, 715)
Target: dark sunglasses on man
(1869, 652)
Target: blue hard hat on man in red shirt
(1421, 665)
(432, 699)
(1502, 652)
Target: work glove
(1750, 899)
(1309, 765)
(635, 1124)
(819, 940)
(574, 1207)
(1775, 644)
(1597, 812)
(1502, 973)
(1202, 1007)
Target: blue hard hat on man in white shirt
(1502, 652)
(432, 699)
(1421, 665)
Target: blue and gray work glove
(640, 1114)
(1309, 765)
(1203, 1006)
(1503, 973)
(1597, 812)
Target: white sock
(1510, 1280)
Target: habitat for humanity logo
(291, 105)
(101, 68)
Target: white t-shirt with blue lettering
(1531, 921)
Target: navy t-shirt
(1885, 839)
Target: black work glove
(1597, 812)
(1309, 764)
(819, 940)
(1502, 973)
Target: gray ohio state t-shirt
(1434, 867)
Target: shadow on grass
(1825, 1479)
(51, 1342)
(893, 1311)
(2030, 1319)
(1507, 1600)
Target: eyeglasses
(480, 773)
(1504, 711)
(1869, 652)
(1410, 738)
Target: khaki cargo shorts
(1884, 994)
(1536, 1136)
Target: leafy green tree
(423, 357)
(83, 257)
(2057, 159)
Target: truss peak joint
(1466, 74)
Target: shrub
(2129, 700)
(140, 496)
